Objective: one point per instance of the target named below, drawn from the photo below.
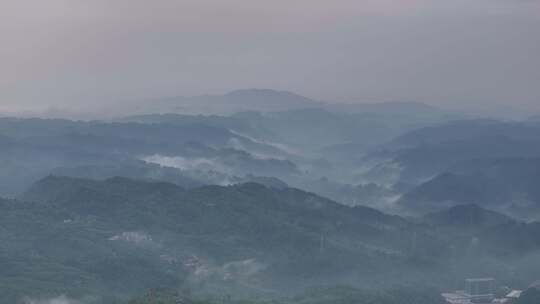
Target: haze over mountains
(267, 196)
(374, 154)
(227, 103)
(270, 152)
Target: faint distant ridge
(270, 100)
(404, 108)
(263, 100)
(265, 96)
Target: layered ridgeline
(200, 153)
(115, 238)
(334, 130)
(299, 145)
(509, 185)
(490, 163)
(425, 152)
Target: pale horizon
(79, 55)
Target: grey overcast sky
(85, 53)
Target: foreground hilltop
(119, 236)
(159, 234)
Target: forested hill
(119, 236)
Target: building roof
(480, 280)
(535, 285)
(456, 298)
(514, 294)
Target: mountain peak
(261, 100)
(256, 92)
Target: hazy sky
(93, 52)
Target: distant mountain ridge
(265, 100)
(421, 154)
(508, 185)
(270, 100)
